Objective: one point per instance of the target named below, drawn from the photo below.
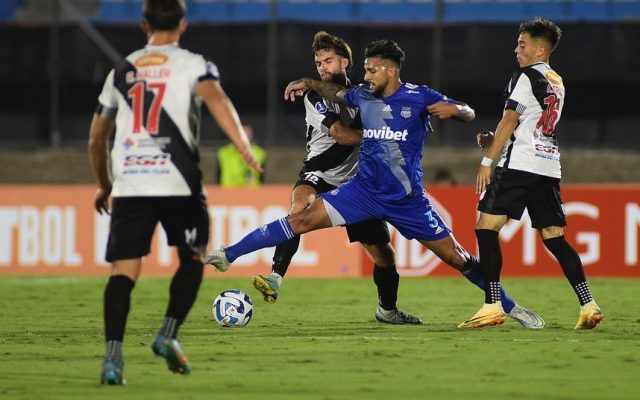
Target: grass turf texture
(321, 341)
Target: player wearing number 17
(528, 174)
(154, 99)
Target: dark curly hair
(325, 41)
(387, 50)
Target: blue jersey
(393, 133)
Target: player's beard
(339, 78)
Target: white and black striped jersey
(537, 94)
(333, 162)
(155, 150)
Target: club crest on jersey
(127, 143)
(406, 112)
(320, 107)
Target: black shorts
(511, 191)
(185, 220)
(371, 231)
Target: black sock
(182, 292)
(387, 280)
(117, 301)
(490, 263)
(571, 266)
(113, 352)
(283, 255)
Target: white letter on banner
(101, 236)
(8, 220)
(71, 256)
(217, 219)
(510, 229)
(632, 220)
(29, 232)
(590, 239)
(51, 235)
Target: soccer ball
(232, 308)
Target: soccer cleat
(170, 350)
(218, 259)
(112, 374)
(488, 315)
(268, 286)
(396, 317)
(590, 316)
(526, 318)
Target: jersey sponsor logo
(146, 160)
(413, 91)
(151, 60)
(385, 133)
(406, 112)
(320, 107)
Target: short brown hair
(324, 41)
(163, 15)
(542, 28)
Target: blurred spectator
(233, 171)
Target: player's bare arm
(344, 135)
(328, 90)
(458, 111)
(223, 111)
(101, 128)
(505, 129)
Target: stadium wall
(53, 230)
(599, 63)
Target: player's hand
(484, 139)
(483, 178)
(101, 200)
(443, 110)
(295, 89)
(251, 160)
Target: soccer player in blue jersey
(388, 184)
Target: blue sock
(474, 275)
(269, 235)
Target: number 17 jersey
(155, 149)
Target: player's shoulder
(413, 89)
(315, 101)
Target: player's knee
(382, 255)
(187, 256)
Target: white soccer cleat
(526, 318)
(218, 259)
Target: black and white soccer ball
(232, 308)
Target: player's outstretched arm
(505, 129)
(222, 110)
(342, 134)
(328, 90)
(458, 111)
(101, 128)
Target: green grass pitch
(321, 341)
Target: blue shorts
(412, 216)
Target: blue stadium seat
(8, 8)
(396, 11)
(316, 10)
(120, 11)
